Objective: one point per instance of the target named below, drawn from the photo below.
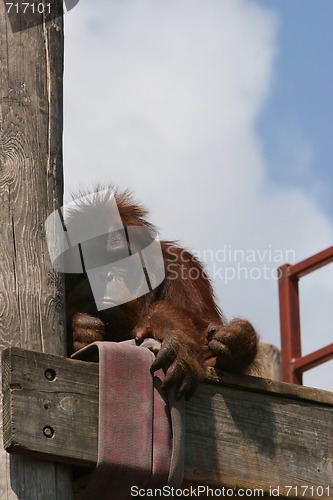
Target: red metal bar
(293, 364)
(313, 359)
(312, 263)
(290, 325)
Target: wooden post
(31, 187)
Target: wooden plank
(68, 405)
(267, 386)
(243, 432)
(255, 440)
(269, 362)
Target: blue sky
(218, 115)
(301, 96)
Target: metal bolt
(50, 374)
(48, 431)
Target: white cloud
(163, 97)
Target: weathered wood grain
(68, 404)
(270, 362)
(267, 386)
(258, 440)
(241, 432)
(31, 187)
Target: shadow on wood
(241, 431)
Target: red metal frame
(293, 364)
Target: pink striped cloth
(141, 428)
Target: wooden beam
(243, 432)
(31, 187)
(33, 401)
